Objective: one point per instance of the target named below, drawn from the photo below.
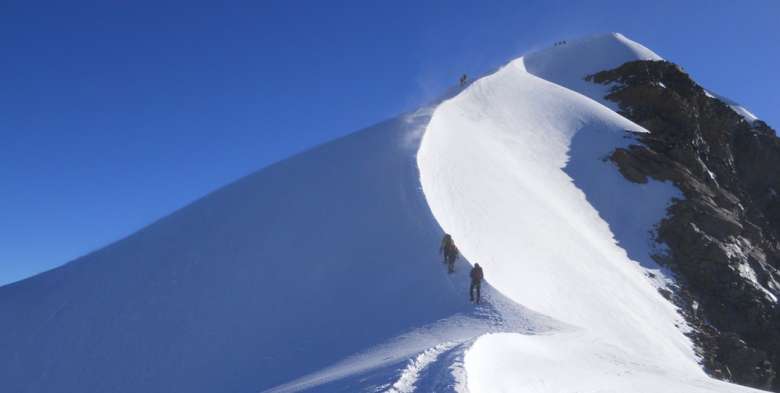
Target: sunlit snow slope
(514, 167)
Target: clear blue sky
(115, 113)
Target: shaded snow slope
(278, 275)
(513, 168)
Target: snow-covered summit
(567, 64)
(321, 272)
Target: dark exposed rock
(723, 236)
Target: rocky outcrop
(723, 237)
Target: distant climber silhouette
(476, 282)
(449, 251)
(463, 79)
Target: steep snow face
(491, 166)
(514, 168)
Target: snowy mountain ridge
(321, 273)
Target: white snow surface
(514, 168)
(492, 165)
(574, 362)
(568, 65)
(321, 272)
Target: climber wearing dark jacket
(450, 252)
(476, 282)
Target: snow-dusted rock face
(723, 236)
(321, 272)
